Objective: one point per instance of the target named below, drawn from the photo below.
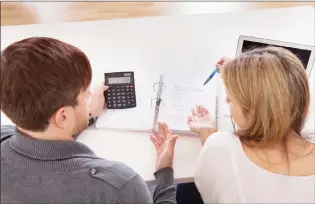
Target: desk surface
(191, 43)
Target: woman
(266, 159)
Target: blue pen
(211, 75)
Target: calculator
(121, 93)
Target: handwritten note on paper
(183, 100)
(180, 99)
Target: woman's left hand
(201, 122)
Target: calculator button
(118, 97)
(123, 105)
(118, 94)
(123, 93)
(114, 97)
(123, 90)
(132, 96)
(118, 90)
(128, 93)
(109, 98)
(108, 94)
(114, 106)
(118, 101)
(124, 101)
(133, 104)
(123, 97)
(128, 97)
(114, 94)
(132, 100)
(119, 105)
(109, 105)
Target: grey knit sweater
(38, 171)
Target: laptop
(305, 53)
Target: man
(45, 91)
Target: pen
(211, 76)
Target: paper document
(180, 97)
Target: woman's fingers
(204, 111)
(193, 113)
(190, 120)
(199, 112)
(221, 61)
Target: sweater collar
(48, 149)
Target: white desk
(171, 43)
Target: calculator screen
(119, 80)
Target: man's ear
(60, 117)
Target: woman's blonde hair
(271, 86)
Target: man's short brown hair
(38, 76)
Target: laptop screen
(302, 54)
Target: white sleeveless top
(226, 175)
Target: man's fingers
(106, 88)
(157, 136)
(167, 130)
(162, 131)
(173, 142)
(154, 141)
(101, 88)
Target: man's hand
(201, 122)
(164, 142)
(97, 103)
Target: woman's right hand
(201, 122)
(221, 62)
